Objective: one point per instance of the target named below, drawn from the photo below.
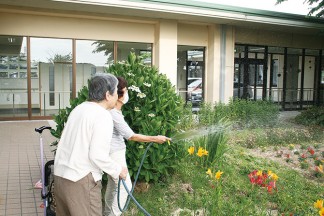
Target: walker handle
(40, 130)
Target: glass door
(321, 82)
(254, 87)
(191, 69)
(249, 73)
(248, 79)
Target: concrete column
(212, 72)
(220, 63)
(229, 33)
(165, 49)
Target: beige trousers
(111, 203)
(81, 198)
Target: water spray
(188, 135)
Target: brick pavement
(20, 166)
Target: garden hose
(130, 193)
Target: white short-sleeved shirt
(84, 144)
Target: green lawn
(190, 191)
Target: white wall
(81, 27)
(165, 49)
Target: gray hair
(101, 83)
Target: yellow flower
(318, 204)
(205, 152)
(320, 168)
(274, 176)
(218, 175)
(321, 212)
(270, 173)
(209, 172)
(259, 173)
(200, 152)
(191, 150)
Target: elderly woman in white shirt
(80, 157)
(121, 132)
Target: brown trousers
(81, 198)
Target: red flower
(262, 180)
(311, 151)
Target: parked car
(192, 79)
(195, 90)
(241, 86)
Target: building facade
(49, 49)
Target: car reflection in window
(195, 90)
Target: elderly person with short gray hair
(81, 156)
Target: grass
(190, 191)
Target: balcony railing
(14, 102)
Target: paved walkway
(20, 166)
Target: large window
(50, 71)
(92, 57)
(287, 76)
(143, 49)
(13, 77)
(51, 61)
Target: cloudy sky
(290, 6)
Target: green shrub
(217, 146)
(311, 116)
(212, 114)
(247, 113)
(154, 108)
(188, 119)
(244, 113)
(214, 141)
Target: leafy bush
(153, 108)
(244, 113)
(188, 119)
(208, 150)
(311, 116)
(210, 114)
(247, 113)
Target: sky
(290, 6)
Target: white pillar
(229, 63)
(219, 64)
(165, 49)
(212, 64)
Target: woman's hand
(161, 139)
(123, 173)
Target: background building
(48, 50)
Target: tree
(58, 58)
(317, 7)
(107, 47)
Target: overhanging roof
(182, 11)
